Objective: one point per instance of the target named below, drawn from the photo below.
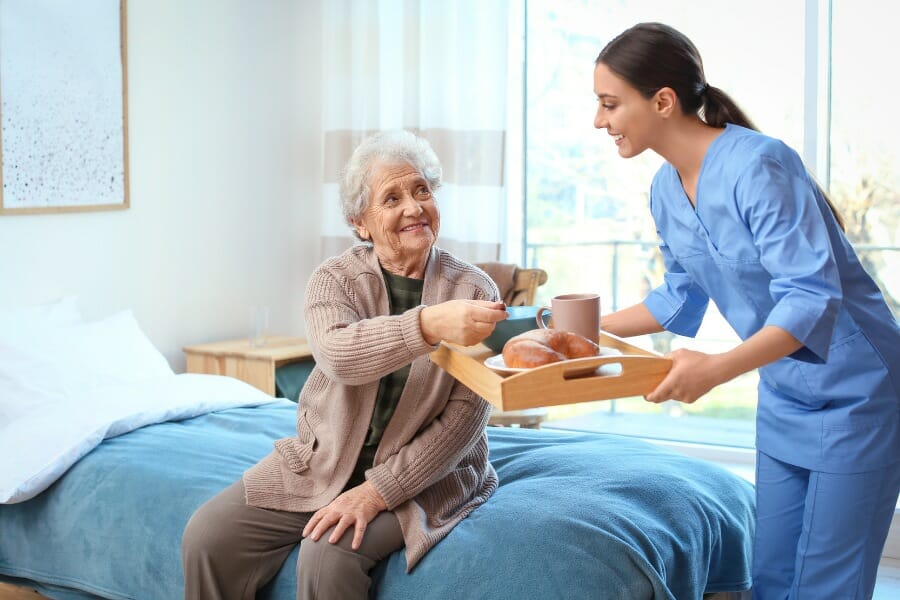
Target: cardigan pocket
(296, 451)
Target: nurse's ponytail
(718, 108)
(651, 56)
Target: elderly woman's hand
(356, 507)
(464, 322)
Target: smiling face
(401, 219)
(625, 113)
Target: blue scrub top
(764, 246)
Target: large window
(865, 138)
(586, 217)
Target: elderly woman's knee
(201, 536)
(326, 570)
(311, 549)
(208, 530)
(341, 553)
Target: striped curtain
(439, 69)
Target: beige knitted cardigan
(431, 466)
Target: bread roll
(544, 346)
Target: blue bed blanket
(575, 516)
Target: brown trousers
(230, 550)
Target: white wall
(224, 155)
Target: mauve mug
(578, 313)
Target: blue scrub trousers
(819, 535)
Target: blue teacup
(520, 320)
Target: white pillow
(70, 359)
(115, 350)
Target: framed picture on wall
(63, 106)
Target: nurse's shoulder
(748, 149)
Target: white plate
(496, 362)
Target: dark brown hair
(651, 56)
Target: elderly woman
(390, 450)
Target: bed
(575, 515)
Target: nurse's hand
(695, 373)
(692, 375)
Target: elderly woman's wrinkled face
(401, 219)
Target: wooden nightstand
(237, 358)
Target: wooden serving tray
(566, 382)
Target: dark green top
(405, 293)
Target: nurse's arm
(695, 373)
(631, 321)
(763, 347)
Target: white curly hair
(384, 148)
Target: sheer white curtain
(438, 68)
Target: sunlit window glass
(865, 138)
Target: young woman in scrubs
(743, 223)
